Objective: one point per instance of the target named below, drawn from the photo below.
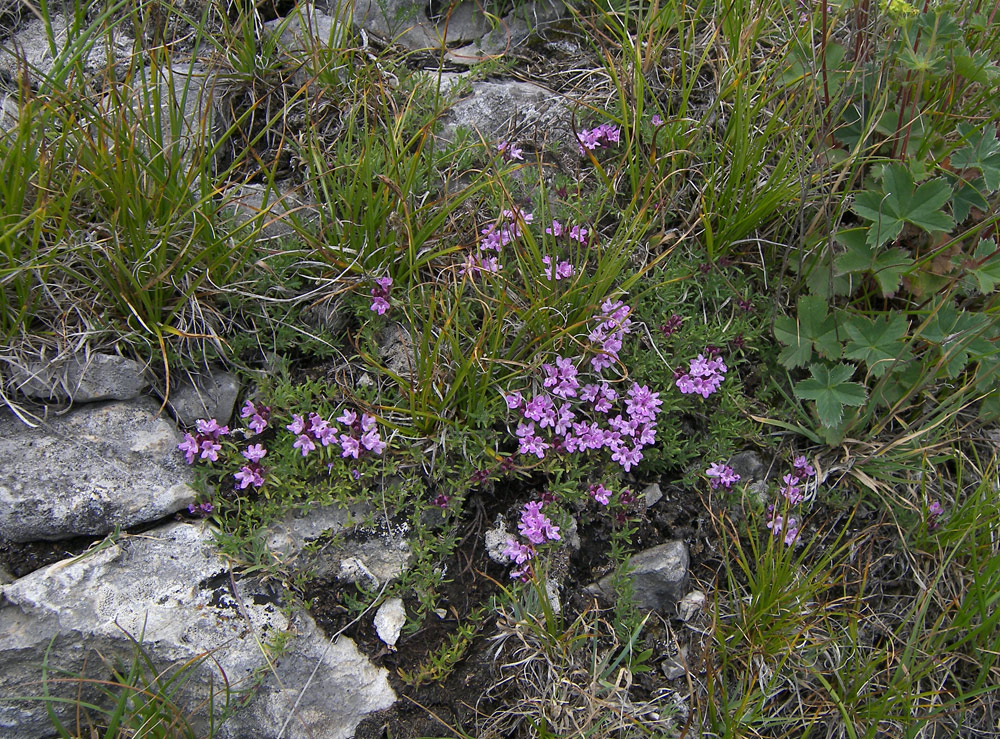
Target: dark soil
(469, 694)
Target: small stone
(206, 395)
(673, 667)
(389, 620)
(690, 605)
(81, 378)
(652, 495)
(748, 465)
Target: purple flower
(556, 229)
(517, 552)
(350, 447)
(642, 404)
(211, 428)
(255, 452)
(656, 120)
(348, 417)
(599, 493)
(721, 475)
(210, 450)
(529, 442)
(627, 458)
(791, 490)
(304, 444)
(510, 151)
(380, 305)
(535, 526)
(259, 415)
(380, 295)
(704, 376)
(672, 324)
(934, 512)
(801, 464)
(190, 448)
(563, 270)
(298, 425)
(249, 475)
(514, 400)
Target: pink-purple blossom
(704, 376)
(535, 526)
(720, 474)
(510, 151)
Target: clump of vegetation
(778, 236)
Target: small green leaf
(831, 389)
(898, 203)
(967, 195)
(982, 152)
(987, 266)
(878, 343)
(887, 266)
(811, 329)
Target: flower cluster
(792, 491)
(598, 138)
(259, 415)
(612, 325)
(565, 426)
(599, 493)
(380, 295)
(671, 325)
(721, 475)
(494, 237)
(703, 377)
(205, 443)
(251, 473)
(510, 151)
(537, 528)
(563, 270)
(573, 233)
(363, 436)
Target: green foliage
(813, 330)
(831, 389)
(897, 203)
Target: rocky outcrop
(81, 378)
(89, 471)
(171, 592)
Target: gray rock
(346, 551)
(89, 471)
(171, 590)
(288, 537)
(407, 23)
(652, 495)
(274, 215)
(318, 689)
(82, 378)
(307, 28)
(395, 349)
(748, 465)
(521, 112)
(659, 577)
(28, 48)
(206, 395)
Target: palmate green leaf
(967, 195)
(897, 203)
(811, 328)
(982, 152)
(831, 389)
(987, 274)
(886, 265)
(878, 343)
